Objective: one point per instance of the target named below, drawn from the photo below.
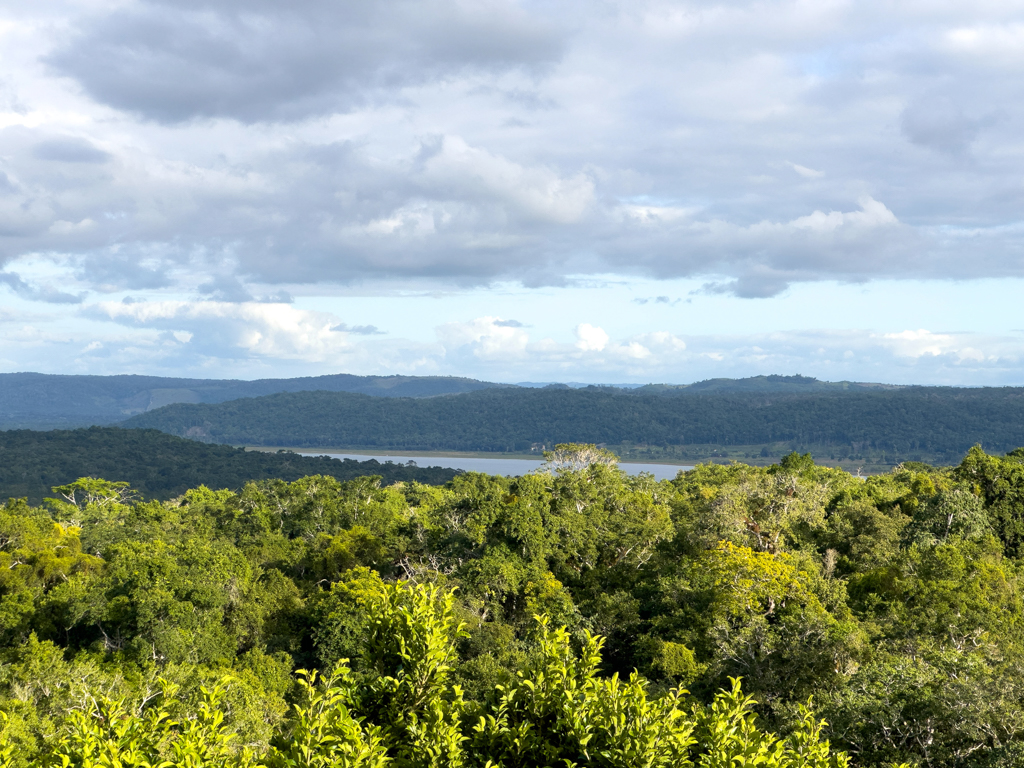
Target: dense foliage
(910, 423)
(160, 466)
(53, 401)
(576, 616)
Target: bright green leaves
(407, 658)
(676, 662)
(747, 583)
(164, 603)
(951, 591)
(88, 491)
(8, 750)
(767, 509)
(317, 505)
(559, 712)
(339, 614)
(757, 615)
(323, 732)
(726, 571)
(403, 642)
(108, 734)
(400, 708)
(37, 557)
(729, 738)
(329, 555)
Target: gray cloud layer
(174, 60)
(209, 146)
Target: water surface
(508, 467)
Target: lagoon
(507, 467)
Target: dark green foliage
(935, 423)
(46, 401)
(160, 466)
(1000, 482)
(551, 619)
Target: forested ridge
(574, 616)
(909, 423)
(161, 466)
(60, 401)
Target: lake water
(508, 467)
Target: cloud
(175, 60)
(229, 329)
(69, 149)
(766, 256)
(361, 330)
(590, 338)
(328, 214)
(225, 288)
(937, 123)
(915, 344)
(1001, 44)
(258, 339)
(656, 300)
(509, 324)
(909, 356)
(244, 153)
(491, 350)
(531, 194)
(804, 171)
(46, 294)
(483, 338)
(659, 141)
(301, 214)
(661, 341)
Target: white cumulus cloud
(590, 338)
(258, 329)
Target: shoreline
(306, 451)
(866, 467)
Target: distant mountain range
(765, 415)
(785, 413)
(767, 384)
(772, 383)
(53, 401)
(47, 401)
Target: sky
(600, 191)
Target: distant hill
(161, 466)
(765, 384)
(919, 423)
(45, 401)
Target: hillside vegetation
(573, 617)
(934, 424)
(161, 466)
(45, 401)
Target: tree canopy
(790, 615)
(160, 466)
